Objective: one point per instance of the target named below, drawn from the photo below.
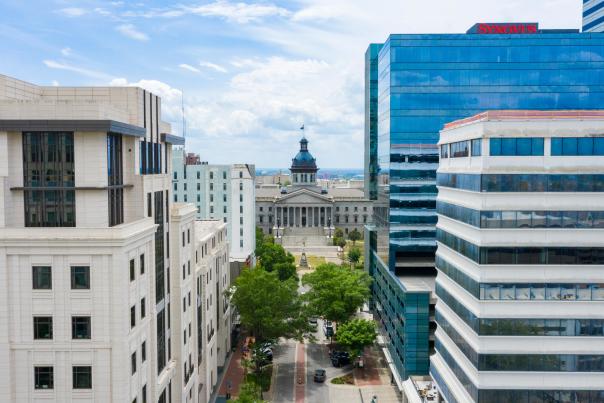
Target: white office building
(520, 258)
(90, 251)
(220, 192)
(593, 15)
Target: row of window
(522, 291)
(526, 146)
(80, 327)
(522, 182)
(553, 255)
(522, 146)
(523, 362)
(42, 278)
(511, 395)
(81, 377)
(522, 219)
(521, 327)
(462, 149)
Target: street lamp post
(278, 230)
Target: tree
(336, 292)
(354, 255)
(269, 308)
(249, 392)
(356, 334)
(341, 242)
(336, 241)
(274, 258)
(338, 233)
(261, 241)
(354, 236)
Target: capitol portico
(306, 205)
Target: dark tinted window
(42, 278)
(80, 277)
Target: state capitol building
(304, 204)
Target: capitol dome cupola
(304, 167)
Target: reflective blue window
(576, 146)
(510, 146)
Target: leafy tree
(287, 182)
(354, 255)
(341, 242)
(249, 392)
(356, 334)
(336, 241)
(338, 233)
(261, 241)
(274, 258)
(336, 292)
(354, 236)
(269, 308)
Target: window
(224, 209)
(48, 176)
(211, 209)
(80, 327)
(476, 147)
(185, 186)
(577, 146)
(198, 175)
(143, 307)
(82, 377)
(460, 149)
(132, 271)
(132, 316)
(144, 351)
(189, 267)
(142, 263)
(240, 186)
(144, 393)
(188, 236)
(44, 377)
(176, 187)
(42, 278)
(240, 174)
(509, 146)
(241, 243)
(211, 175)
(80, 278)
(133, 363)
(183, 239)
(42, 327)
(175, 175)
(211, 187)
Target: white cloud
(213, 66)
(79, 70)
(73, 11)
(189, 67)
(239, 12)
(131, 32)
(102, 11)
(66, 51)
(55, 83)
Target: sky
(250, 73)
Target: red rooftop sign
(504, 28)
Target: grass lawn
(313, 261)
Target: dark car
(340, 358)
(319, 375)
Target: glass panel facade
(115, 179)
(521, 146)
(522, 182)
(404, 319)
(577, 146)
(48, 179)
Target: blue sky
(251, 72)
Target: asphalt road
(285, 367)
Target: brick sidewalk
(370, 373)
(234, 373)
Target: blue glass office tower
(425, 81)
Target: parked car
(319, 375)
(340, 358)
(313, 321)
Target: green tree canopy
(269, 308)
(354, 255)
(249, 392)
(338, 233)
(356, 334)
(354, 236)
(273, 257)
(336, 292)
